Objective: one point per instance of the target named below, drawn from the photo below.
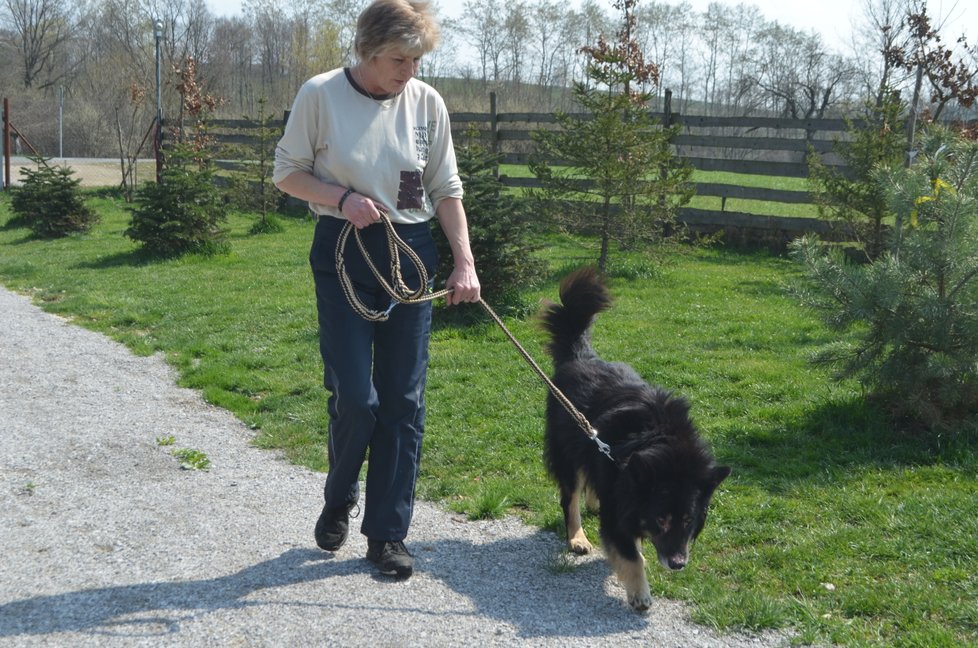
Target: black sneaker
(333, 527)
(392, 558)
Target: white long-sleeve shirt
(398, 150)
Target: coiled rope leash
(401, 293)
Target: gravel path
(105, 540)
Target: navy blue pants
(375, 373)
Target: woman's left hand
(464, 283)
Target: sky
(833, 19)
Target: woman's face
(388, 73)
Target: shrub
(251, 188)
(634, 185)
(853, 198)
(180, 214)
(913, 311)
(49, 203)
(499, 233)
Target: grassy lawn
(832, 523)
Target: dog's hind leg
(571, 503)
(631, 573)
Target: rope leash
(401, 293)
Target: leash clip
(602, 446)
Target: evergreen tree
(499, 231)
(184, 211)
(252, 187)
(617, 177)
(911, 313)
(180, 214)
(850, 196)
(49, 203)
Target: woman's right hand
(360, 210)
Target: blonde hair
(395, 24)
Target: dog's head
(671, 479)
(673, 512)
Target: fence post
(494, 129)
(667, 109)
(6, 144)
(666, 124)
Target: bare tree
(485, 31)
(230, 63)
(271, 30)
(665, 35)
(440, 61)
(715, 24)
(881, 28)
(198, 28)
(572, 31)
(343, 14)
(592, 23)
(39, 29)
(516, 32)
(799, 77)
(545, 16)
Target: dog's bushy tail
(582, 295)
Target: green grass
(191, 459)
(832, 523)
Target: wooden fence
(765, 146)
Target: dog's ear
(642, 464)
(717, 475)
(625, 417)
(714, 478)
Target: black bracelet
(339, 205)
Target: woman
(361, 139)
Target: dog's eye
(687, 521)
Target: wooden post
(493, 123)
(494, 128)
(666, 123)
(6, 145)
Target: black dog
(662, 477)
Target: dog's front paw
(580, 545)
(640, 601)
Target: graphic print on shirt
(410, 193)
(422, 140)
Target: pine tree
(618, 176)
(911, 315)
(499, 231)
(49, 202)
(183, 212)
(851, 196)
